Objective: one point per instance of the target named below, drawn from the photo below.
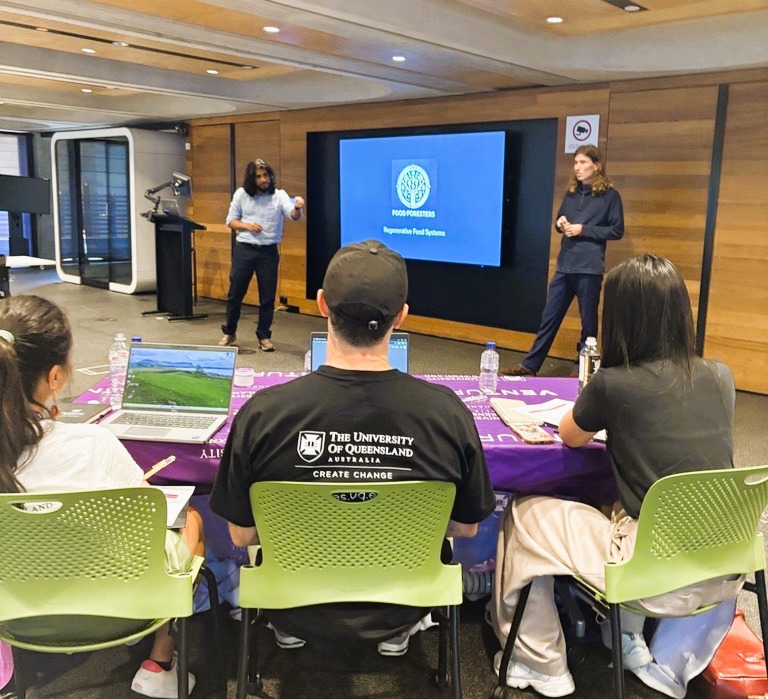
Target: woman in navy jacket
(590, 215)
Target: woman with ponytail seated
(39, 454)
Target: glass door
(94, 219)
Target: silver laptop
(170, 207)
(398, 354)
(174, 393)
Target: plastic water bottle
(118, 365)
(489, 368)
(589, 361)
(477, 583)
(308, 361)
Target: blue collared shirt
(268, 210)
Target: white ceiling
(339, 51)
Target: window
(14, 160)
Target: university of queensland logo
(311, 445)
(413, 186)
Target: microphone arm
(149, 194)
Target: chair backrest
(94, 553)
(351, 542)
(693, 527)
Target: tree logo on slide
(413, 186)
(311, 445)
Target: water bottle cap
(592, 341)
(490, 345)
(120, 337)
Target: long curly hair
(600, 182)
(249, 180)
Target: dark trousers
(248, 260)
(562, 289)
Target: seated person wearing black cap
(358, 399)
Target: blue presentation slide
(436, 197)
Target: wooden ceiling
(151, 61)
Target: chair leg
(762, 607)
(217, 637)
(242, 659)
(441, 676)
(19, 680)
(181, 647)
(618, 659)
(453, 616)
(506, 656)
(254, 674)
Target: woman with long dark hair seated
(39, 454)
(666, 411)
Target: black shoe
(518, 370)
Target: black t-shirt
(659, 421)
(353, 426)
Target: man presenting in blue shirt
(590, 215)
(256, 215)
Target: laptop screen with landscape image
(175, 380)
(179, 377)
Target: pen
(159, 466)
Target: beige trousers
(542, 537)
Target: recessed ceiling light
(85, 89)
(88, 50)
(41, 29)
(632, 8)
(554, 20)
(120, 43)
(211, 71)
(272, 30)
(398, 59)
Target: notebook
(549, 412)
(81, 412)
(399, 350)
(513, 411)
(174, 393)
(177, 504)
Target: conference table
(514, 466)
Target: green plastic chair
(83, 571)
(692, 527)
(351, 542)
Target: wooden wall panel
(657, 135)
(210, 171)
(510, 106)
(737, 318)
(659, 157)
(212, 174)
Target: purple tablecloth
(514, 466)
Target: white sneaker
(520, 676)
(152, 681)
(286, 641)
(398, 645)
(634, 651)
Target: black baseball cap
(367, 282)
